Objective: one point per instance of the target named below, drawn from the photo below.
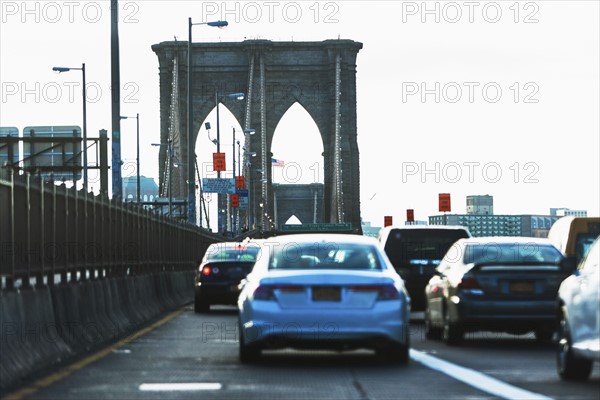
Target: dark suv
(220, 272)
(415, 251)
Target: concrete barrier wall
(43, 326)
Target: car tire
(248, 353)
(568, 365)
(431, 332)
(544, 335)
(452, 333)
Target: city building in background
(567, 212)
(481, 221)
(499, 225)
(480, 205)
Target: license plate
(521, 287)
(326, 293)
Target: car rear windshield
(237, 253)
(409, 246)
(511, 253)
(325, 256)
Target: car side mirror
(568, 264)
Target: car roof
(445, 227)
(505, 240)
(225, 244)
(321, 237)
(384, 233)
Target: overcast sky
(498, 98)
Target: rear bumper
(218, 293)
(271, 327)
(507, 315)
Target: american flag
(277, 163)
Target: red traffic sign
(239, 182)
(235, 200)
(218, 161)
(410, 215)
(387, 220)
(444, 202)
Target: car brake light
(388, 292)
(290, 289)
(263, 293)
(206, 271)
(384, 292)
(365, 288)
(469, 283)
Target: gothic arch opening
(293, 220)
(297, 149)
(206, 145)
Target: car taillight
(388, 292)
(263, 293)
(384, 292)
(289, 288)
(210, 269)
(469, 283)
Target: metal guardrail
(47, 229)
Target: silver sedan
(579, 331)
(324, 291)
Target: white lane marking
(171, 387)
(476, 379)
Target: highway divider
(42, 326)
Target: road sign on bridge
(343, 227)
(218, 185)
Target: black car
(416, 250)
(498, 284)
(220, 272)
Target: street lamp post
(246, 132)
(248, 168)
(85, 162)
(137, 160)
(235, 214)
(190, 155)
(237, 96)
(239, 159)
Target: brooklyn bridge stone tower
(320, 76)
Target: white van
(574, 236)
